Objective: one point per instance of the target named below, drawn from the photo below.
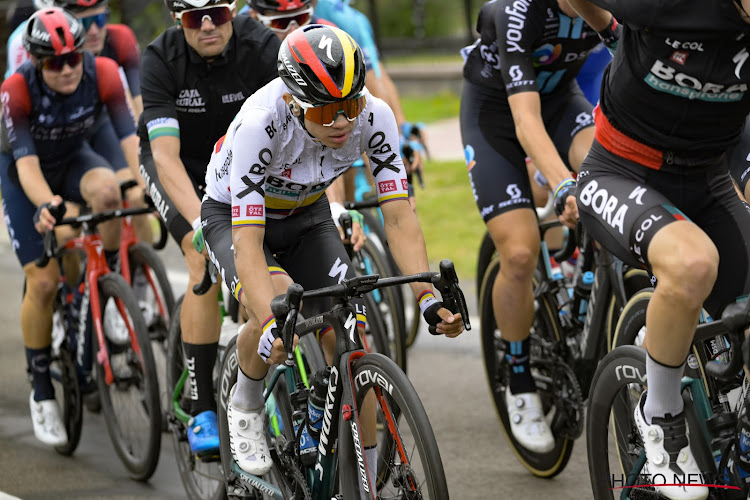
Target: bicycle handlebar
(356, 205)
(208, 280)
(90, 220)
(735, 318)
(284, 307)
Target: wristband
(560, 186)
(611, 34)
(336, 210)
(197, 224)
(426, 299)
(269, 324)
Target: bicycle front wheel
(408, 458)
(201, 478)
(131, 402)
(156, 301)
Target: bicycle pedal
(208, 457)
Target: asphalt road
(447, 373)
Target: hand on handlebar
(271, 347)
(442, 321)
(44, 220)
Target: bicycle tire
(130, 371)
(484, 257)
(544, 465)
(413, 322)
(634, 280)
(390, 305)
(144, 259)
(611, 402)
(72, 400)
(227, 380)
(195, 474)
(632, 320)
(407, 419)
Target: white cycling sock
(664, 395)
(248, 393)
(371, 456)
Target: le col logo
(677, 44)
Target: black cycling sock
(517, 356)
(38, 360)
(200, 359)
(113, 260)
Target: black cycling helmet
(321, 64)
(263, 6)
(53, 32)
(79, 5)
(180, 5)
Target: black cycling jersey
(528, 46)
(187, 97)
(679, 80)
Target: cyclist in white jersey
(265, 205)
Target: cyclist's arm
(596, 17)
(16, 102)
(249, 214)
(174, 177)
(113, 95)
(158, 89)
(532, 134)
(125, 45)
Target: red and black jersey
(122, 47)
(53, 126)
(679, 80)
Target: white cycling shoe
(527, 422)
(247, 440)
(48, 426)
(114, 325)
(669, 460)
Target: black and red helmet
(52, 32)
(80, 5)
(321, 64)
(264, 6)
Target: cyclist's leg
(36, 305)
(200, 319)
(739, 162)
(92, 180)
(500, 181)
(104, 142)
(244, 412)
(627, 207)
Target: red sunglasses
(281, 22)
(218, 15)
(57, 63)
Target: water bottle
(316, 402)
(722, 427)
(582, 292)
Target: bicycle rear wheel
(201, 479)
(545, 326)
(156, 300)
(131, 403)
(408, 457)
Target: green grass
(423, 58)
(431, 108)
(449, 217)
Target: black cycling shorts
(176, 224)
(624, 204)
(495, 159)
(306, 245)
